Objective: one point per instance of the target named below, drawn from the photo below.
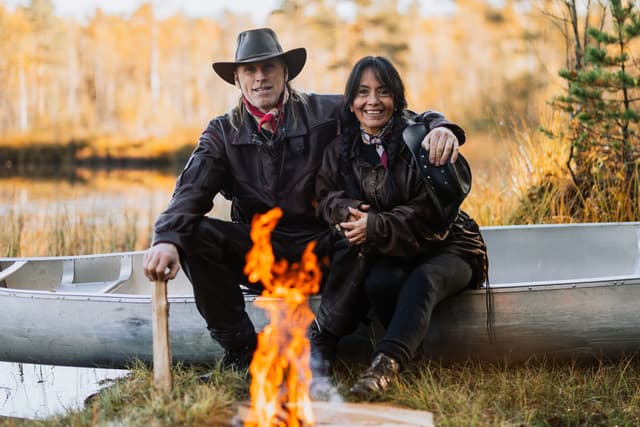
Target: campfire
(280, 370)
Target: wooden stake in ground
(162, 380)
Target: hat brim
(294, 59)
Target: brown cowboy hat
(259, 45)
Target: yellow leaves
(455, 63)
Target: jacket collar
(248, 133)
(357, 142)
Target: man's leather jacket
(256, 171)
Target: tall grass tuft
(11, 232)
(511, 186)
(100, 215)
(69, 232)
(104, 212)
(492, 197)
(532, 185)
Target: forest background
(551, 110)
(140, 86)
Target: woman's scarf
(273, 117)
(379, 139)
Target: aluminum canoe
(558, 291)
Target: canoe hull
(555, 322)
(558, 292)
(595, 320)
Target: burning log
(340, 414)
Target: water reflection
(40, 391)
(31, 193)
(72, 173)
(98, 211)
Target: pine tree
(603, 102)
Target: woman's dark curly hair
(388, 75)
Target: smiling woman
(395, 252)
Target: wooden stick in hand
(162, 379)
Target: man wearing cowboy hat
(264, 153)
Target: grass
(536, 393)
(61, 228)
(132, 401)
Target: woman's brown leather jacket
(401, 217)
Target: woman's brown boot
(376, 379)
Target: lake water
(40, 391)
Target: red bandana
(273, 116)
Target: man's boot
(324, 349)
(323, 354)
(239, 358)
(239, 344)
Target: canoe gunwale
(612, 281)
(609, 281)
(561, 225)
(128, 298)
(12, 269)
(75, 257)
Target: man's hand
(442, 145)
(355, 230)
(161, 262)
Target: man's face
(262, 82)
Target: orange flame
(280, 367)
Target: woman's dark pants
(401, 291)
(404, 295)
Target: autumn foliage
(141, 77)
